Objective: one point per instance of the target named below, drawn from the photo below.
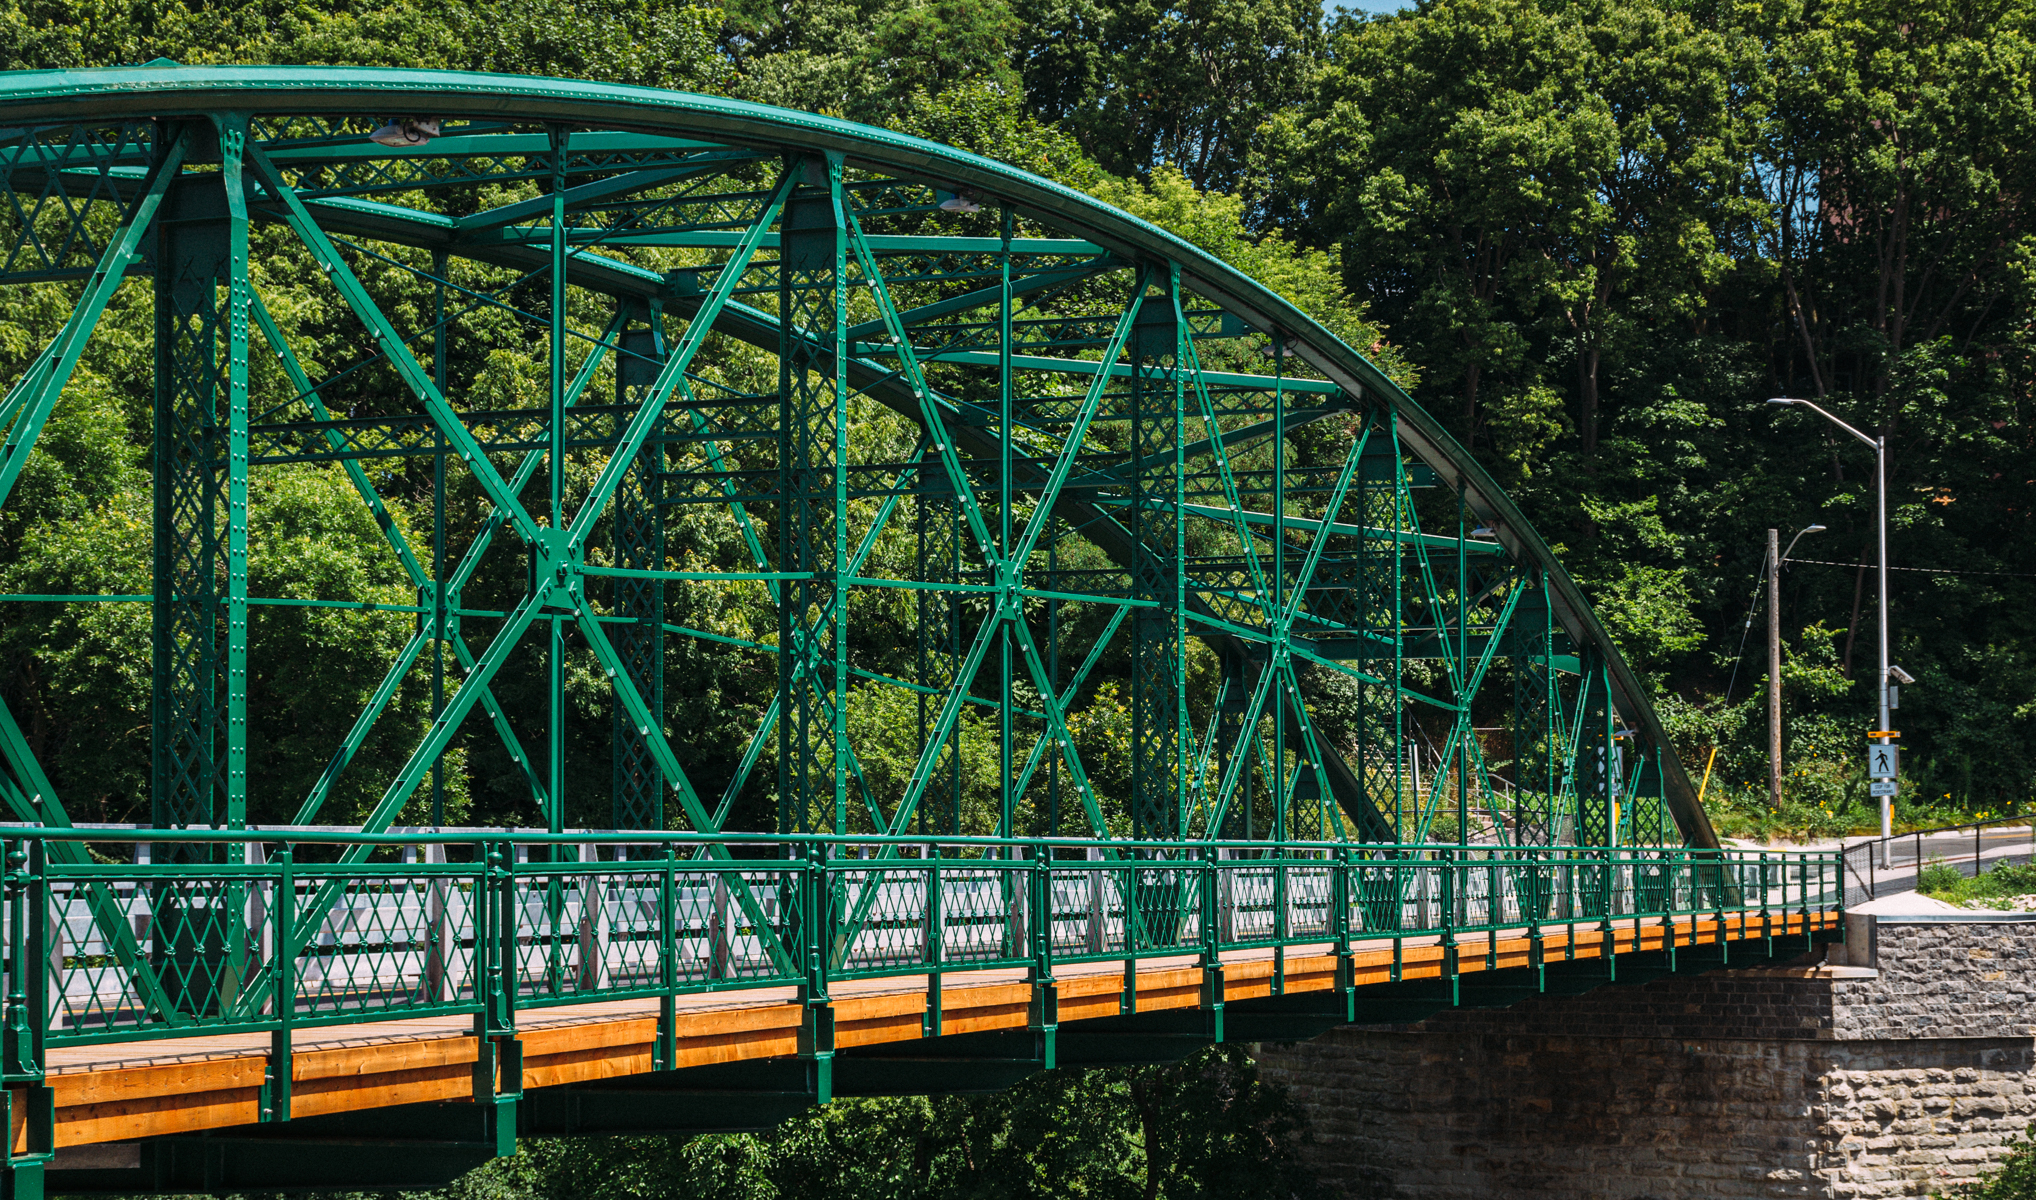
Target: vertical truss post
(1010, 608)
(938, 541)
(555, 461)
(1157, 765)
(232, 140)
(1281, 617)
(1383, 505)
(232, 129)
(1536, 718)
(438, 594)
(639, 785)
(1053, 584)
(194, 265)
(1591, 756)
(812, 524)
(1465, 688)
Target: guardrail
(107, 951)
(1865, 876)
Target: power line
(1824, 562)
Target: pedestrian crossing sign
(1882, 762)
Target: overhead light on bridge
(1485, 533)
(400, 133)
(962, 201)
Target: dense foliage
(1600, 233)
(1606, 231)
(2015, 1179)
(1204, 1129)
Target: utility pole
(1882, 735)
(1774, 732)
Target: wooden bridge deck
(124, 1091)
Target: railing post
(665, 1055)
(29, 1104)
(282, 1060)
(1449, 922)
(1609, 935)
(1045, 1014)
(1283, 926)
(27, 938)
(720, 929)
(1494, 910)
(1017, 903)
(816, 1028)
(438, 987)
(936, 942)
(1212, 944)
(1767, 905)
(593, 888)
(1339, 897)
(498, 1067)
(1094, 941)
(509, 943)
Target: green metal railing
(105, 951)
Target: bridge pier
(1893, 1065)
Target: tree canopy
(1591, 235)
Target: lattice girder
(1128, 546)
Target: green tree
(1143, 84)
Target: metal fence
(490, 925)
(1879, 867)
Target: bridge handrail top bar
(2028, 819)
(418, 836)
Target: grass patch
(1947, 883)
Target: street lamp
(1799, 537)
(1880, 473)
(1776, 557)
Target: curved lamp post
(1880, 474)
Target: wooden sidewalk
(124, 1091)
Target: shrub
(1938, 876)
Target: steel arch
(671, 205)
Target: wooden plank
(593, 1035)
(983, 1017)
(153, 1116)
(735, 1047)
(171, 1079)
(217, 1085)
(871, 1008)
(880, 1030)
(1003, 996)
(589, 1063)
(359, 1062)
(351, 1093)
(1091, 1005)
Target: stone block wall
(1830, 1080)
(1940, 979)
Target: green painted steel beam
(1051, 473)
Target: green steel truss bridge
(1051, 442)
